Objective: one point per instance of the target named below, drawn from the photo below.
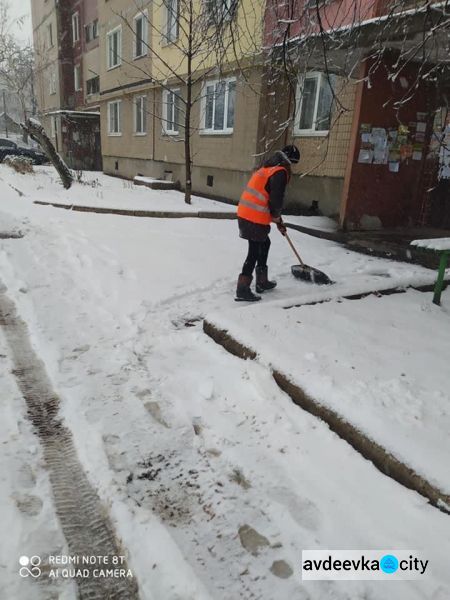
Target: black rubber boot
(243, 291)
(262, 282)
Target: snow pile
(433, 244)
(99, 190)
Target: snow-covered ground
(191, 449)
(373, 361)
(99, 190)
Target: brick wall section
(327, 156)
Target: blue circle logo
(389, 563)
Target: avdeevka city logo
(389, 563)
(29, 566)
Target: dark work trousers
(257, 255)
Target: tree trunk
(187, 147)
(24, 112)
(187, 120)
(37, 133)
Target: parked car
(9, 147)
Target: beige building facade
(142, 120)
(47, 71)
(138, 113)
(133, 71)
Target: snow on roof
(349, 27)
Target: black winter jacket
(276, 186)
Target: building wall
(47, 64)
(152, 154)
(319, 176)
(120, 13)
(228, 158)
(288, 20)
(373, 192)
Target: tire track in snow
(83, 518)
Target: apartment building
(66, 43)
(345, 81)
(370, 81)
(144, 85)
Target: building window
(53, 126)
(114, 48)
(50, 35)
(171, 28)
(140, 115)
(53, 83)
(75, 27)
(218, 106)
(140, 35)
(220, 11)
(91, 31)
(171, 111)
(77, 77)
(114, 109)
(93, 85)
(315, 100)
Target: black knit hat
(292, 153)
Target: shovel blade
(307, 273)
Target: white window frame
(109, 35)
(142, 107)
(90, 93)
(211, 131)
(119, 118)
(313, 131)
(52, 83)
(165, 116)
(77, 78)
(144, 16)
(53, 126)
(171, 28)
(50, 40)
(75, 27)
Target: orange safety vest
(254, 203)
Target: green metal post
(440, 279)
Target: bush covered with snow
(21, 164)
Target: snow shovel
(306, 272)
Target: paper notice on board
(380, 156)
(417, 155)
(394, 167)
(421, 127)
(365, 156)
(444, 172)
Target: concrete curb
(156, 214)
(429, 287)
(367, 245)
(384, 461)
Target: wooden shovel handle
(293, 249)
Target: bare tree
(16, 63)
